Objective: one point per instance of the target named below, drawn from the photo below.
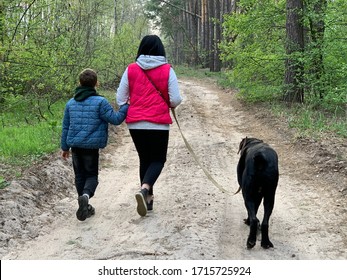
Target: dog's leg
(253, 223)
(251, 202)
(269, 201)
(258, 200)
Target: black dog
(257, 174)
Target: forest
(291, 53)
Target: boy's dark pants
(86, 167)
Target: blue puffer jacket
(85, 123)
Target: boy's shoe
(91, 211)
(150, 205)
(82, 212)
(141, 198)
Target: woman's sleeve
(174, 93)
(122, 94)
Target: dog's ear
(242, 144)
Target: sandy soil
(192, 218)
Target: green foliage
(116, 54)
(254, 50)
(253, 46)
(335, 59)
(45, 46)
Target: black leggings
(151, 146)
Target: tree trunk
(195, 21)
(217, 61)
(206, 31)
(211, 52)
(294, 91)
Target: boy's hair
(88, 78)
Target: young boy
(85, 131)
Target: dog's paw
(250, 243)
(266, 244)
(246, 221)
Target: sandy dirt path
(192, 218)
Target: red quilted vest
(146, 103)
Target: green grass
(28, 131)
(28, 140)
(3, 183)
(312, 122)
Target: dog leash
(188, 146)
(190, 149)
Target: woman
(150, 86)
